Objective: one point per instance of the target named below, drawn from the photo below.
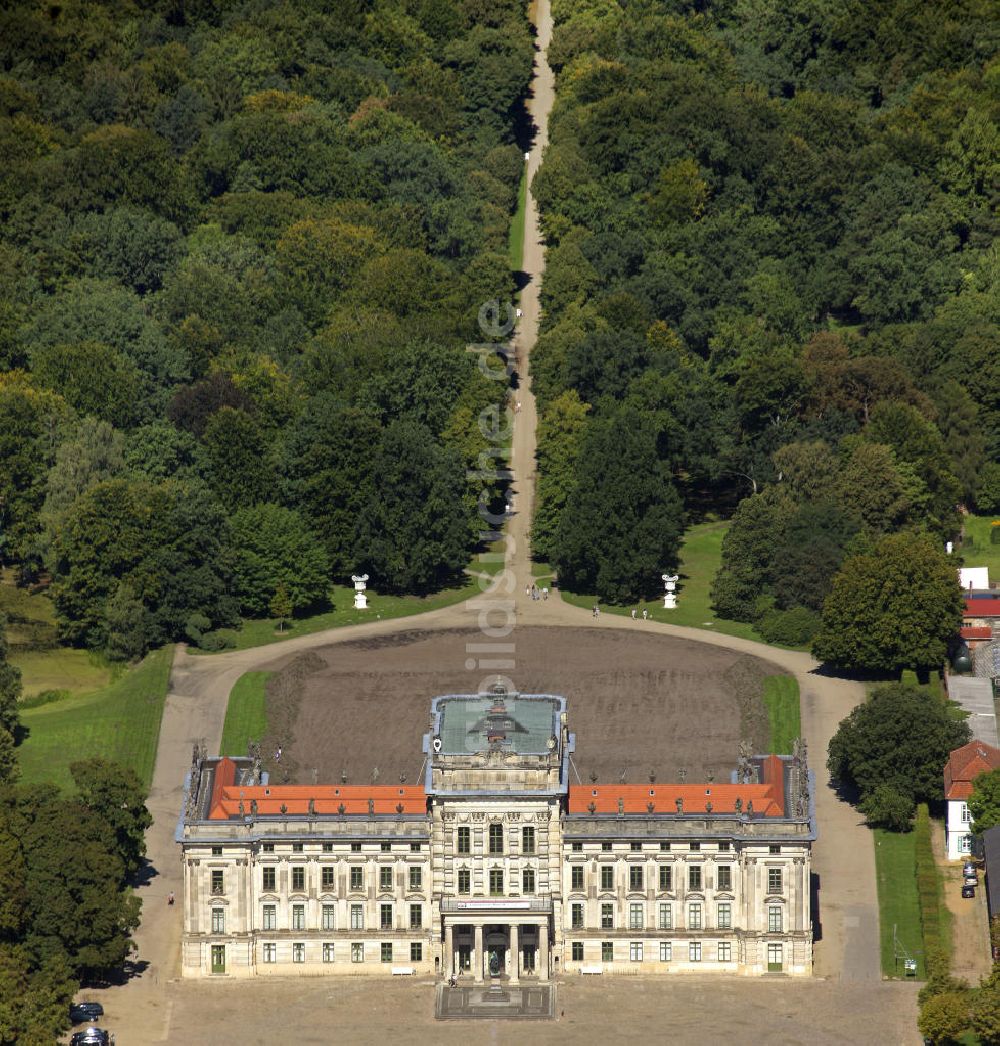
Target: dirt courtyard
(599, 1009)
(637, 703)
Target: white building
(496, 866)
(964, 765)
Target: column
(515, 958)
(449, 950)
(477, 956)
(543, 951)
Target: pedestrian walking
(545, 592)
(597, 611)
(594, 611)
(633, 613)
(645, 613)
(527, 590)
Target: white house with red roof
(964, 765)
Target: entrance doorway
(218, 958)
(528, 958)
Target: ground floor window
(725, 952)
(327, 952)
(270, 953)
(774, 958)
(386, 951)
(965, 844)
(416, 952)
(635, 951)
(694, 951)
(218, 958)
(666, 951)
(357, 953)
(577, 951)
(607, 951)
(298, 953)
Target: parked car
(968, 890)
(91, 1037)
(968, 868)
(85, 1011)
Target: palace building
(496, 864)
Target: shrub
(794, 627)
(886, 808)
(220, 639)
(944, 1017)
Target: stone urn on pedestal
(360, 596)
(670, 595)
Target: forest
(772, 274)
(242, 249)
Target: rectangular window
(218, 883)
(298, 879)
(270, 953)
(635, 951)
(607, 916)
(218, 920)
(268, 848)
(496, 882)
(357, 916)
(357, 953)
(694, 916)
(528, 840)
(666, 921)
(329, 877)
(576, 877)
(296, 848)
(966, 816)
(355, 848)
(270, 920)
(694, 951)
(464, 880)
(385, 951)
(695, 847)
(635, 917)
(385, 878)
(464, 840)
(694, 877)
(416, 952)
(528, 880)
(329, 917)
(415, 848)
(635, 877)
(328, 848)
(576, 847)
(607, 877)
(666, 877)
(607, 951)
(774, 880)
(216, 851)
(385, 847)
(725, 952)
(496, 838)
(774, 918)
(606, 847)
(635, 846)
(298, 916)
(774, 849)
(357, 877)
(416, 878)
(666, 951)
(416, 916)
(576, 916)
(725, 920)
(385, 916)
(725, 873)
(328, 951)
(298, 953)
(267, 879)
(577, 952)
(724, 847)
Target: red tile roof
(327, 799)
(982, 608)
(965, 764)
(768, 798)
(977, 631)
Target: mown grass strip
(516, 237)
(898, 903)
(781, 698)
(246, 713)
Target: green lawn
(781, 696)
(261, 632)
(63, 668)
(898, 904)
(120, 722)
(516, 237)
(982, 553)
(701, 553)
(246, 713)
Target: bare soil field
(588, 1010)
(637, 703)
